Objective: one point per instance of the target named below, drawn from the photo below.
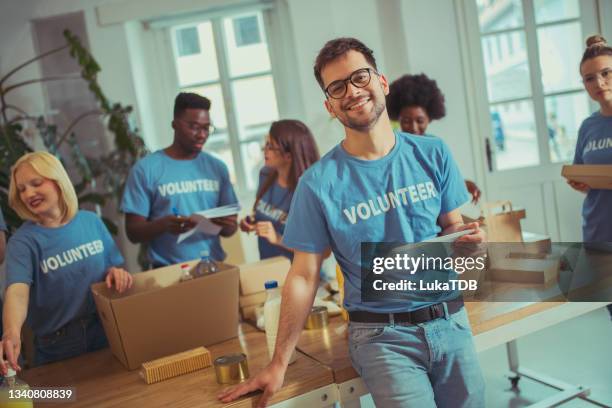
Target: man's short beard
(347, 121)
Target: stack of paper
(203, 220)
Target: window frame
(225, 81)
(474, 57)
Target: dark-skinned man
(167, 186)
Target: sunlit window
(530, 52)
(232, 68)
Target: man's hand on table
(270, 380)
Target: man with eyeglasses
(409, 353)
(167, 186)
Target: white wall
(407, 36)
(433, 48)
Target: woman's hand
(474, 191)
(576, 185)
(247, 224)
(123, 279)
(266, 230)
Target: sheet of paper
(204, 223)
(448, 238)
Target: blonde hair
(48, 167)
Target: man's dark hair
(415, 90)
(190, 100)
(338, 47)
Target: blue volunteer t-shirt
(342, 201)
(594, 146)
(274, 207)
(157, 183)
(59, 265)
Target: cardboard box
(160, 315)
(525, 268)
(536, 243)
(598, 176)
(500, 221)
(252, 300)
(249, 313)
(254, 275)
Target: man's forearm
(143, 231)
(298, 296)
(228, 230)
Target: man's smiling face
(360, 107)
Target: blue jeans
(77, 337)
(431, 364)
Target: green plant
(102, 178)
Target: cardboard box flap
(107, 317)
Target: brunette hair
(596, 46)
(337, 48)
(293, 137)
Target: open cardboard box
(525, 268)
(254, 275)
(160, 315)
(596, 176)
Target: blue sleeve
(2, 223)
(137, 194)
(21, 262)
(226, 190)
(454, 193)
(112, 254)
(579, 146)
(306, 228)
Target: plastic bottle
(11, 384)
(186, 275)
(206, 265)
(272, 316)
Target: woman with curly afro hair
(414, 101)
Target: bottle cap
(271, 284)
(184, 266)
(10, 372)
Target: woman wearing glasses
(289, 150)
(414, 101)
(594, 145)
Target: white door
(526, 92)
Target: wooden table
(101, 381)
(493, 324)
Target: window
(187, 41)
(246, 31)
(232, 68)
(530, 50)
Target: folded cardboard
(160, 315)
(254, 275)
(254, 299)
(525, 268)
(596, 176)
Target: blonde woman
(51, 261)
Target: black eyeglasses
(360, 78)
(195, 128)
